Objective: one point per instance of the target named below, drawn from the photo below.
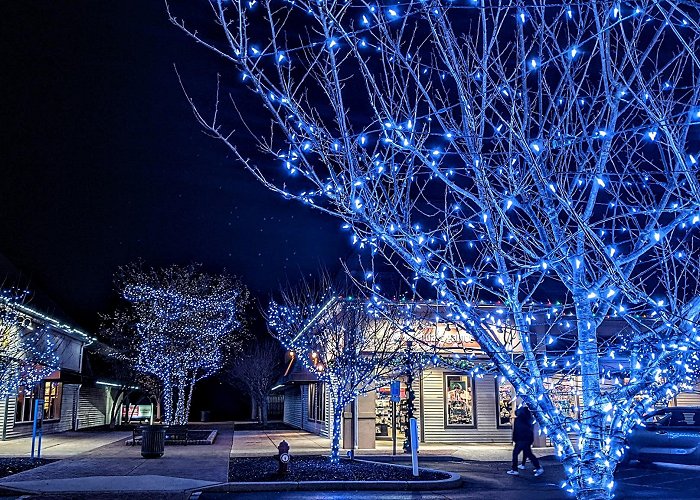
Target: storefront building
(450, 406)
(67, 404)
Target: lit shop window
(459, 401)
(564, 393)
(505, 398)
(317, 402)
(52, 400)
(24, 411)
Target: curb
(407, 458)
(452, 482)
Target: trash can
(153, 441)
(205, 416)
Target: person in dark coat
(523, 437)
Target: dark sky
(102, 160)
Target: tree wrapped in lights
(184, 323)
(27, 350)
(510, 152)
(349, 345)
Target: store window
(384, 415)
(459, 401)
(565, 396)
(52, 400)
(25, 406)
(24, 411)
(505, 399)
(317, 402)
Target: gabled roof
(38, 305)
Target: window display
(564, 395)
(383, 422)
(505, 399)
(459, 400)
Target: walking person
(523, 437)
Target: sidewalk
(264, 443)
(117, 468)
(63, 445)
(99, 464)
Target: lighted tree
(350, 345)
(512, 152)
(256, 370)
(183, 324)
(27, 348)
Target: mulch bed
(9, 466)
(317, 468)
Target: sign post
(395, 398)
(37, 430)
(413, 425)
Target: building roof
(38, 306)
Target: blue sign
(396, 391)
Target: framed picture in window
(459, 401)
(505, 403)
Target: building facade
(451, 406)
(67, 403)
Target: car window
(662, 418)
(684, 418)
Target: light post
(411, 396)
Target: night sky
(103, 161)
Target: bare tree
(183, 324)
(516, 152)
(256, 370)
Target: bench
(176, 433)
(136, 432)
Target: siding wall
(308, 425)
(296, 409)
(292, 406)
(434, 429)
(65, 423)
(688, 399)
(94, 405)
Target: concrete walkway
(63, 445)
(264, 443)
(115, 467)
(100, 464)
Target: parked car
(668, 435)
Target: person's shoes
(513, 472)
(521, 467)
(539, 472)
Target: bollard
(283, 458)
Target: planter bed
(194, 437)
(13, 465)
(318, 468)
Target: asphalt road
(489, 481)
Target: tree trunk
(254, 408)
(167, 404)
(263, 411)
(592, 481)
(116, 404)
(188, 403)
(337, 428)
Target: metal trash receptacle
(153, 441)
